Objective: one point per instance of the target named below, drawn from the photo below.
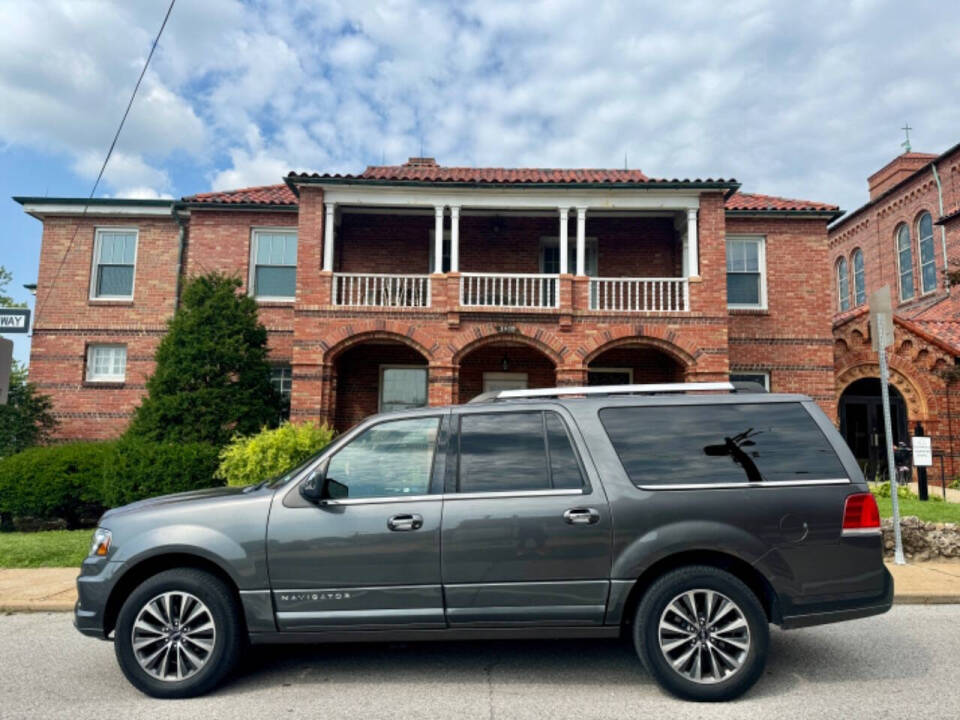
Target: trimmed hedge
(57, 481)
(76, 482)
(141, 469)
(271, 452)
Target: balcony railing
(378, 290)
(508, 290)
(639, 294)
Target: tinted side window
(720, 443)
(391, 458)
(564, 468)
(505, 452)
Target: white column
(581, 241)
(438, 239)
(693, 252)
(328, 236)
(564, 214)
(454, 238)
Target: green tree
(27, 418)
(212, 379)
(6, 300)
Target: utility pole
(881, 327)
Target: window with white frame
(928, 262)
(859, 278)
(402, 387)
(905, 262)
(843, 285)
(106, 363)
(273, 271)
(746, 272)
(760, 377)
(114, 260)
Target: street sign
(922, 451)
(14, 320)
(881, 313)
(6, 364)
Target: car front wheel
(178, 634)
(702, 633)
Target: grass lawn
(930, 511)
(51, 548)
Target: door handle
(581, 516)
(405, 522)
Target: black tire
(228, 628)
(721, 686)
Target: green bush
(57, 481)
(141, 469)
(271, 452)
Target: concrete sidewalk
(53, 589)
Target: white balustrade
(509, 290)
(640, 294)
(379, 290)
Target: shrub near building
(270, 453)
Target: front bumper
(840, 610)
(94, 585)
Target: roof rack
(647, 389)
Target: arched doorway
(861, 423)
(504, 365)
(377, 376)
(633, 364)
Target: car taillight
(861, 515)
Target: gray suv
(683, 519)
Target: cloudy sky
(798, 99)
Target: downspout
(943, 228)
(182, 242)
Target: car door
(369, 559)
(526, 529)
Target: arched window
(859, 278)
(905, 262)
(843, 285)
(928, 263)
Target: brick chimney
(896, 170)
(421, 162)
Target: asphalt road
(905, 664)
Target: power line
(103, 167)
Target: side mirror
(318, 487)
(311, 489)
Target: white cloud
(141, 193)
(797, 99)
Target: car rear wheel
(702, 633)
(178, 634)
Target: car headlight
(101, 542)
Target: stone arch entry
(861, 423)
(634, 360)
(503, 362)
(376, 372)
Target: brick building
(906, 236)
(419, 283)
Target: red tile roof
(753, 201)
(261, 195)
(427, 170)
(941, 320)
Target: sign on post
(922, 451)
(6, 364)
(881, 328)
(14, 320)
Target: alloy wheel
(173, 636)
(704, 636)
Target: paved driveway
(903, 664)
